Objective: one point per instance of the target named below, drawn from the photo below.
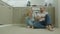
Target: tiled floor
(22, 30)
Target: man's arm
(37, 18)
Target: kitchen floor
(9, 29)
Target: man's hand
(37, 18)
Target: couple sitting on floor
(39, 20)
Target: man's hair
(42, 7)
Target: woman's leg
(29, 22)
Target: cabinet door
(18, 15)
(51, 11)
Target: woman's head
(29, 12)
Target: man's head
(42, 9)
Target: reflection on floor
(9, 29)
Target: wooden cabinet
(19, 14)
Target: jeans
(29, 22)
(38, 24)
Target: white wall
(59, 13)
(41, 2)
(56, 12)
(16, 3)
(23, 3)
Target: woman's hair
(29, 11)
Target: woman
(29, 19)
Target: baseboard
(4, 25)
(22, 25)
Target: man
(42, 19)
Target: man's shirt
(41, 15)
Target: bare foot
(28, 26)
(32, 27)
(50, 28)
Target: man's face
(42, 9)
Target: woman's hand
(30, 15)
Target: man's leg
(38, 25)
(48, 22)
